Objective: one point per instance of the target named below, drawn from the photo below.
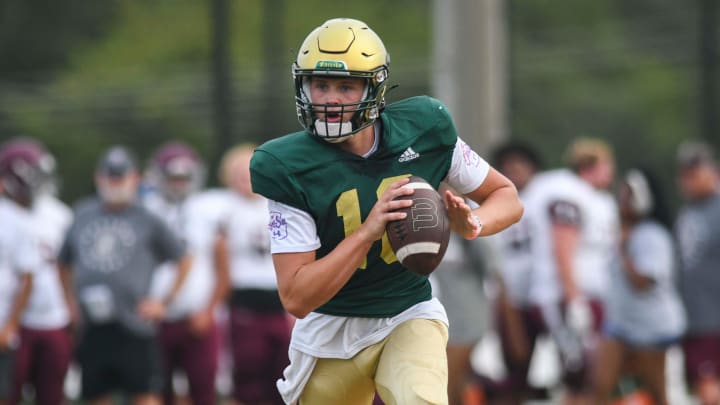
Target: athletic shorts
(408, 367)
(6, 373)
(658, 343)
(112, 358)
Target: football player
(19, 255)
(259, 325)
(365, 322)
(644, 313)
(519, 324)
(189, 335)
(45, 341)
(576, 222)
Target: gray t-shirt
(655, 314)
(113, 255)
(698, 234)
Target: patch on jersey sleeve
(564, 213)
(469, 156)
(277, 226)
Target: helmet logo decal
(330, 64)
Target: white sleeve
(291, 230)
(467, 170)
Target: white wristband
(479, 225)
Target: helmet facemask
(365, 111)
(341, 48)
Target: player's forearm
(500, 209)
(638, 281)
(314, 283)
(565, 239)
(21, 300)
(222, 288)
(65, 273)
(222, 273)
(567, 281)
(182, 269)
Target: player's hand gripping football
(462, 220)
(383, 210)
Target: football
(420, 240)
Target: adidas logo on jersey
(408, 155)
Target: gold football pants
(408, 367)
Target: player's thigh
(343, 381)
(650, 367)
(607, 367)
(413, 367)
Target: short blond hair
(586, 152)
(230, 157)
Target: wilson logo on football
(424, 214)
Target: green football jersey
(338, 189)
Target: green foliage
(621, 72)
(82, 75)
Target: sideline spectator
(107, 260)
(644, 313)
(698, 234)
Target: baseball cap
(694, 153)
(117, 161)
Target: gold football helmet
(341, 47)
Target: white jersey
(47, 308)
(561, 196)
(514, 254)
(251, 264)
(19, 253)
(197, 220)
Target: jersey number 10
(348, 207)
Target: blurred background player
(189, 336)
(107, 261)
(698, 234)
(518, 323)
(459, 283)
(576, 222)
(19, 257)
(259, 325)
(644, 311)
(45, 350)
